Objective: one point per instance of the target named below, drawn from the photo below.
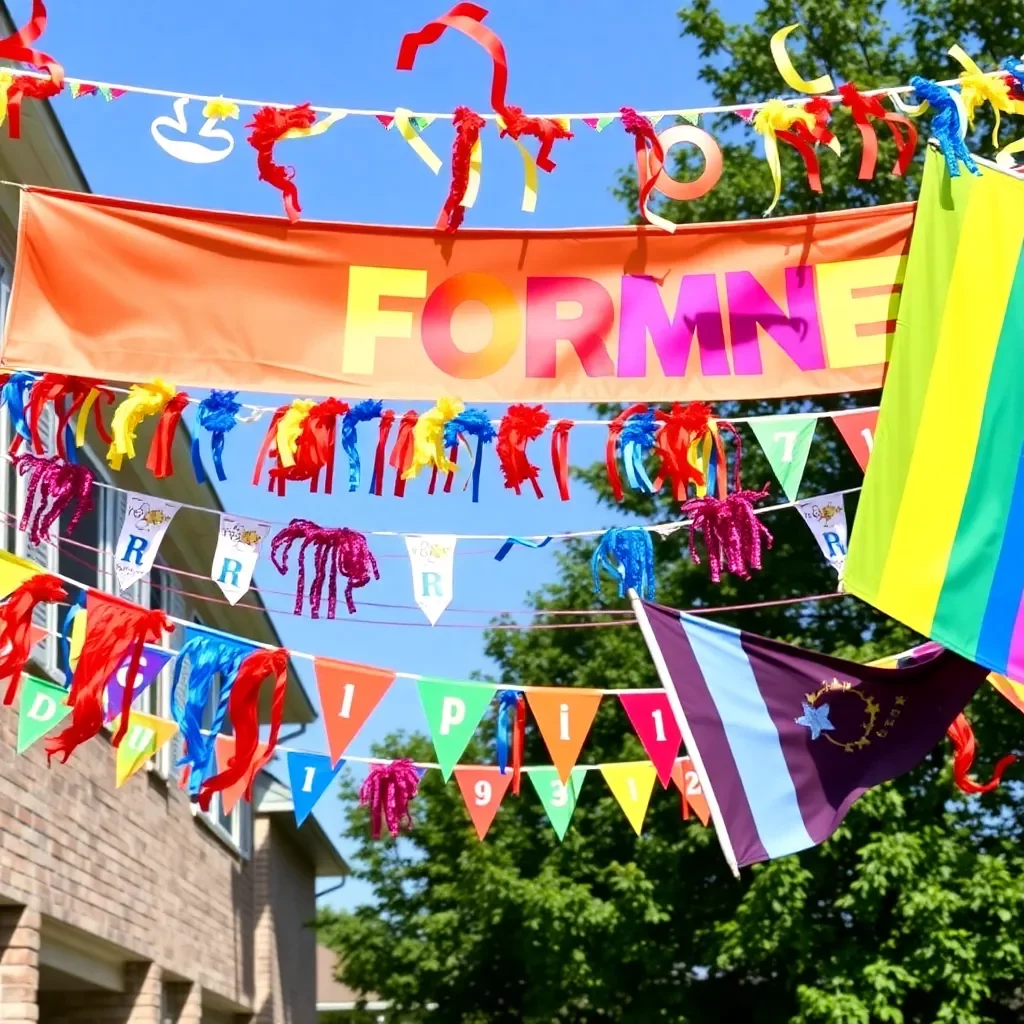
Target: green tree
(910, 914)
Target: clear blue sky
(565, 56)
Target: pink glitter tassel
(732, 533)
(52, 485)
(349, 557)
(387, 792)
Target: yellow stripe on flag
(145, 736)
(13, 572)
(1013, 692)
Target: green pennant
(603, 122)
(453, 712)
(105, 92)
(690, 117)
(786, 440)
(558, 800)
(419, 123)
(41, 707)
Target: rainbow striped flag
(938, 541)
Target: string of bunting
(801, 124)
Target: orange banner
(756, 309)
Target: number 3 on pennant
(185, 149)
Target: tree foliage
(911, 914)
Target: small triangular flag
(559, 799)
(483, 790)
(145, 736)
(655, 723)
(858, 430)
(224, 749)
(564, 717)
(631, 783)
(152, 662)
(309, 775)
(348, 695)
(421, 123)
(386, 119)
(116, 94)
(603, 122)
(590, 122)
(104, 91)
(453, 712)
(684, 775)
(40, 707)
(690, 116)
(747, 113)
(74, 87)
(655, 119)
(786, 441)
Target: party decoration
(315, 427)
(401, 454)
(218, 414)
(677, 444)
(348, 695)
(631, 784)
(186, 149)
(952, 569)
(387, 792)
(453, 711)
(15, 571)
(826, 517)
(858, 430)
(287, 428)
(145, 736)
(57, 389)
(961, 735)
(560, 456)
(347, 552)
(1013, 692)
(143, 400)
(467, 160)
(652, 718)
(776, 121)
(789, 73)
(786, 442)
(511, 732)
(692, 797)
(362, 412)
(650, 159)
(161, 458)
(269, 124)
(15, 395)
(238, 550)
(432, 558)
(733, 535)
(115, 628)
(145, 522)
(634, 430)
(51, 487)
(525, 542)
(948, 127)
(529, 203)
(224, 750)
(248, 760)
(428, 438)
(688, 191)
(862, 109)
(152, 662)
(788, 738)
(483, 790)
(564, 718)
(820, 108)
(221, 109)
(558, 795)
(404, 122)
(17, 48)
(978, 88)
(31, 587)
(317, 128)
(627, 554)
(309, 775)
(42, 707)
(520, 425)
(472, 423)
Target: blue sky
(567, 56)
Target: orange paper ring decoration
(687, 191)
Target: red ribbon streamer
(269, 440)
(521, 424)
(650, 156)
(314, 449)
(55, 388)
(862, 109)
(802, 139)
(161, 457)
(543, 128)
(821, 110)
(467, 132)
(518, 742)
(611, 448)
(961, 735)
(16, 619)
(680, 427)
(18, 48)
(387, 420)
(401, 454)
(560, 456)
(269, 124)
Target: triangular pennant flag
(651, 716)
(238, 550)
(858, 430)
(559, 799)
(826, 517)
(309, 775)
(590, 122)
(432, 558)
(692, 795)
(116, 94)
(603, 122)
(14, 571)
(104, 91)
(483, 790)
(453, 712)
(224, 748)
(145, 736)
(420, 123)
(151, 664)
(747, 113)
(631, 783)
(1013, 692)
(690, 116)
(145, 522)
(348, 695)
(786, 440)
(564, 717)
(386, 119)
(655, 119)
(36, 634)
(41, 706)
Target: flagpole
(684, 727)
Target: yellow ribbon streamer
(416, 144)
(143, 400)
(83, 416)
(776, 116)
(317, 129)
(530, 184)
(905, 108)
(289, 427)
(6, 80)
(977, 88)
(428, 438)
(790, 75)
(476, 163)
(220, 109)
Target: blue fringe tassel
(218, 413)
(508, 704)
(627, 553)
(945, 124)
(363, 412)
(14, 395)
(476, 423)
(637, 439)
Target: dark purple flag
(787, 739)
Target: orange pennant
(348, 695)
(225, 748)
(564, 717)
(483, 790)
(687, 781)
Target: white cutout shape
(186, 149)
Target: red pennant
(590, 122)
(686, 779)
(858, 430)
(651, 716)
(385, 119)
(348, 695)
(225, 749)
(483, 790)
(564, 717)
(116, 94)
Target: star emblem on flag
(815, 719)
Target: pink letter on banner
(797, 333)
(697, 312)
(652, 718)
(546, 324)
